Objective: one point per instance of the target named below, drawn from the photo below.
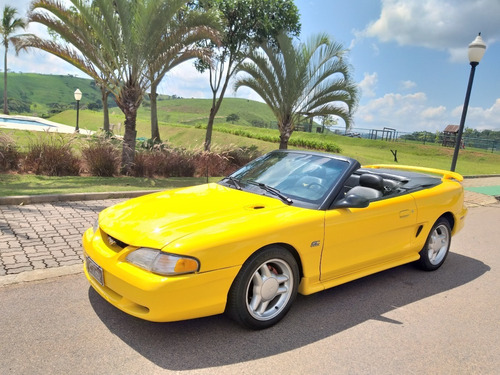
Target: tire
(437, 246)
(264, 289)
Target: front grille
(116, 242)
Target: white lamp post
(476, 53)
(78, 97)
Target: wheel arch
(288, 248)
(450, 218)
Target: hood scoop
(256, 207)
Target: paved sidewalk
(47, 236)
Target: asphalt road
(402, 321)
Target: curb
(42, 274)
(47, 198)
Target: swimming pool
(37, 124)
(24, 122)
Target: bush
(160, 160)
(102, 158)
(146, 164)
(213, 164)
(232, 118)
(51, 156)
(9, 156)
(243, 155)
(178, 163)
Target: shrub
(232, 118)
(162, 161)
(9, 156)
(178, 163)
(102, 158)
(51, 156)
(146, 164)
(243, 155)
(212, 164)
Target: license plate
(95, 271)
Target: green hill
(44, 93)
(48, 95)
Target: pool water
(23, 122)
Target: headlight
(157, 261)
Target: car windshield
(290, 176)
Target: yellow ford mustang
(289, 222)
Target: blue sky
(409, 58)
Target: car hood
(156, 220)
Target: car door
(357, 239)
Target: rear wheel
(265, 288)
(436, 248)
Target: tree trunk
(155, 132)
(129, 102)
(105, 111)
(216, 104)
(285, 134)
(210, 124)
(5, 103)
(128, 150)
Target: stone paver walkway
(45, 235)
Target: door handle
(405, 213)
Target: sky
(409, 58)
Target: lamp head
(78, 94)
(477, 49)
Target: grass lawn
(188, 136)
(18, 184)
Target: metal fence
(392, 135)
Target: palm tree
(114, 40)
(9, 26)
(176, 47)
(305, 80)
(66, 23)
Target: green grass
(470, 161)
(16, 184)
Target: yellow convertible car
(288, 222)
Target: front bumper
(154, 297)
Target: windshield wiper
(271, 190)
(234, 181)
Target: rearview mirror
(352, 201)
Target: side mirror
(352, 201)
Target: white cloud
(368, 85)
(438, 24)
(480, 118)
(412, 112)
(434, 112)
(407, 85)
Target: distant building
(450, 134)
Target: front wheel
(265, 288)
(436, 248)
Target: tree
(309, 79)
(9, 25)
(232, 117)
(113, 41)
(247, 23)
(64, 26)
(327, 120)
(176, 47)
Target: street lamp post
(476, 53)
(78, 97)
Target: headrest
(372, 181)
